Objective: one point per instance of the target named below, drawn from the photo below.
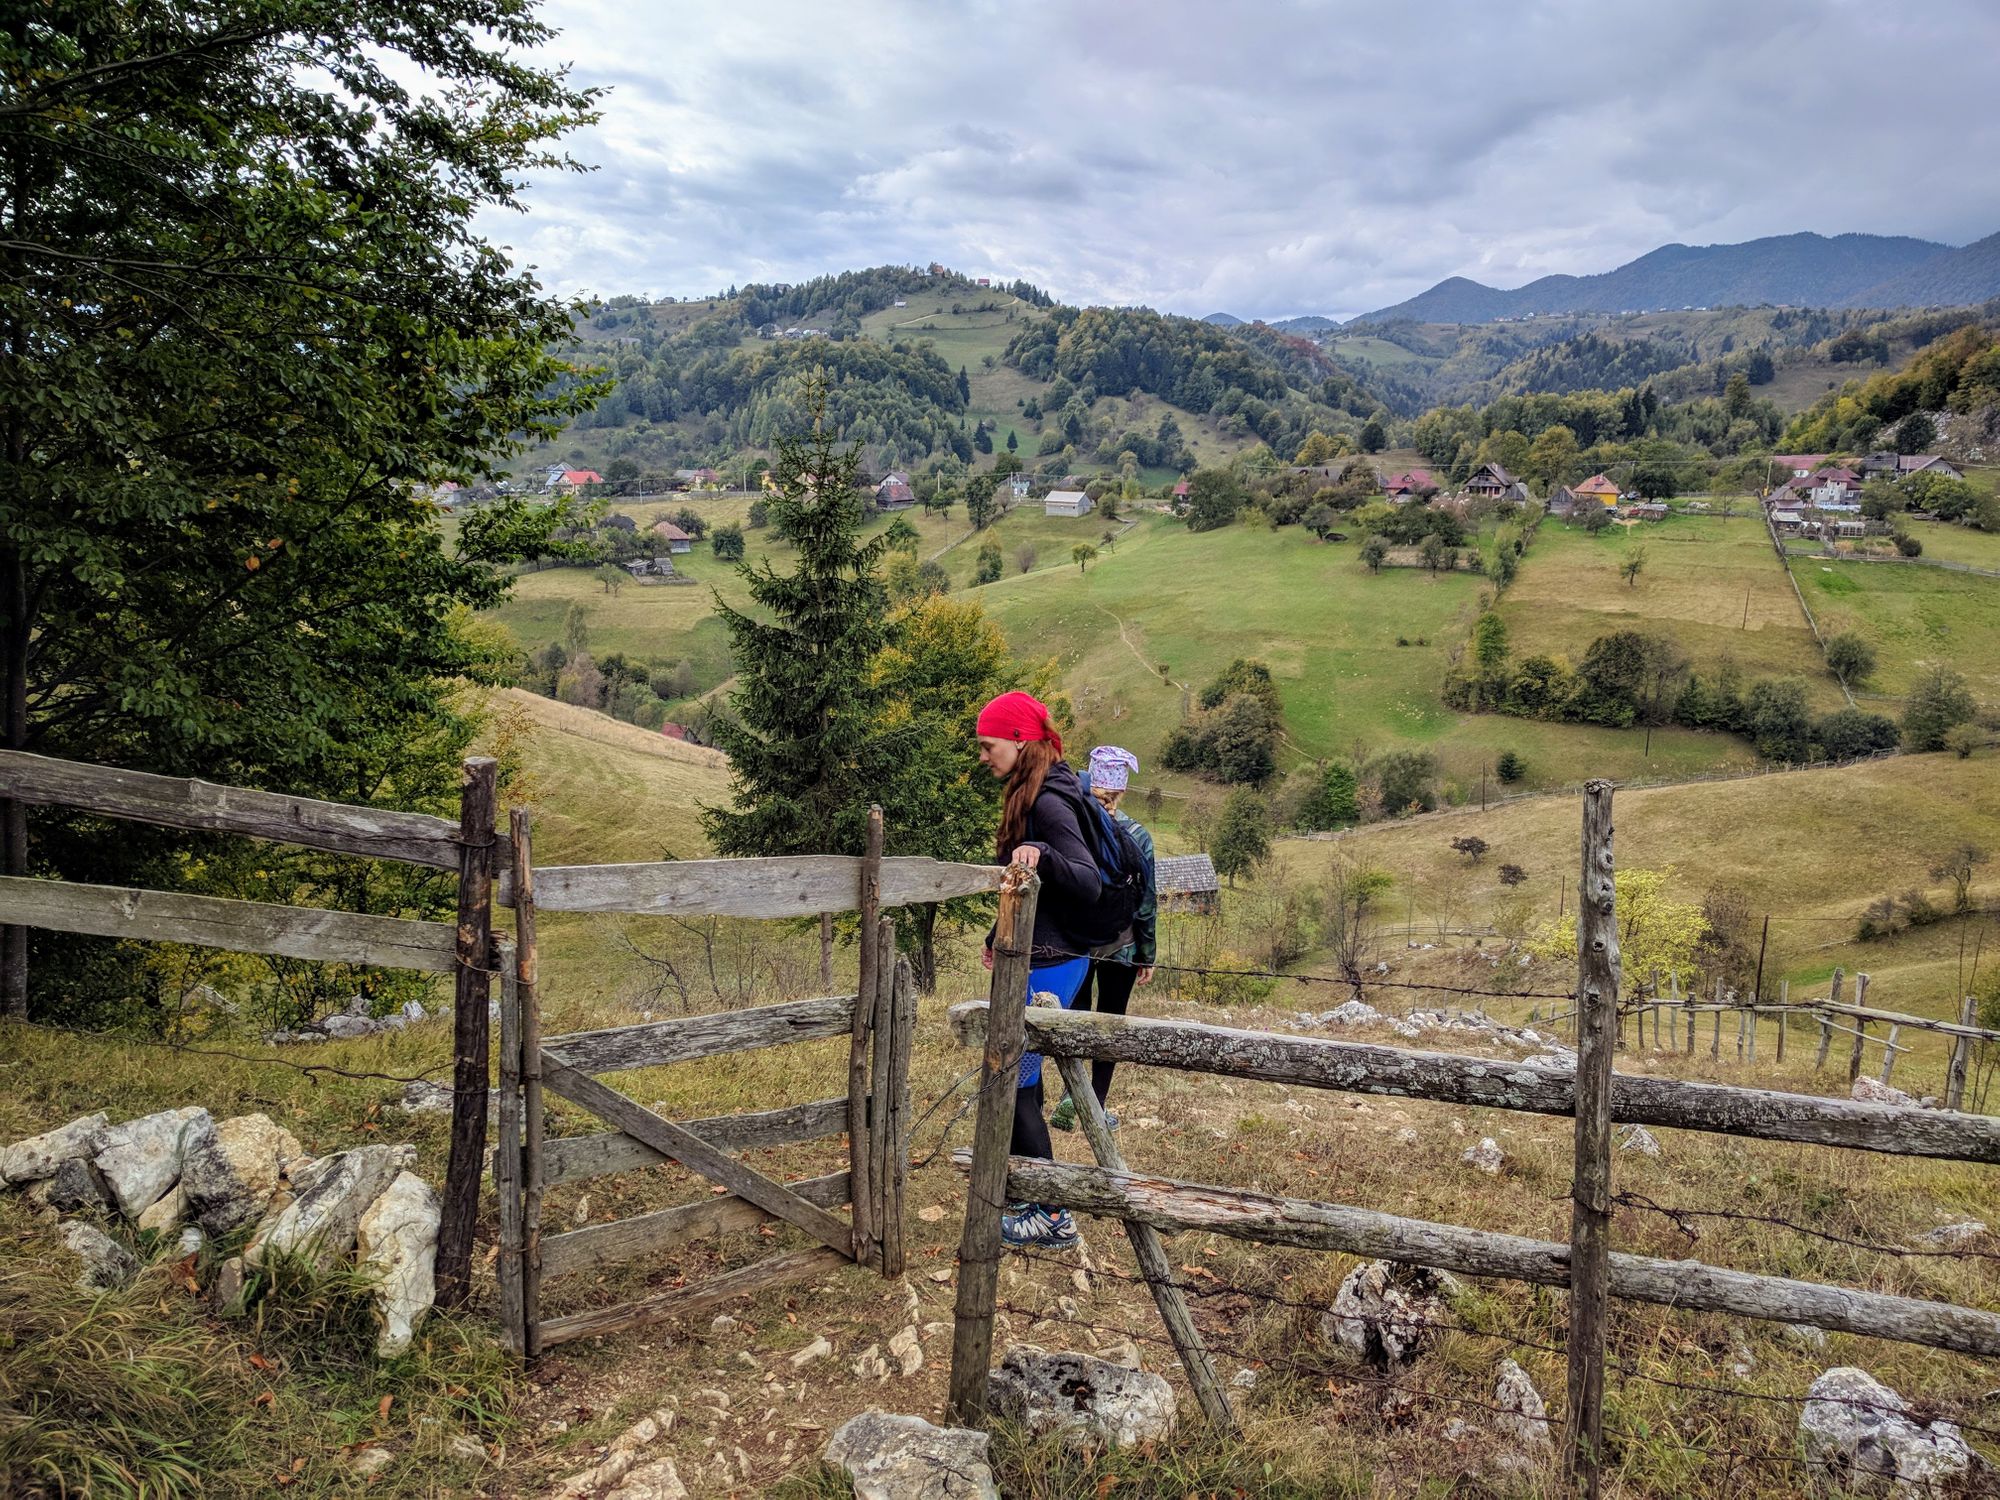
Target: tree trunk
(926, 965)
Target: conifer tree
(806, 750)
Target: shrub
(1849, 732)
(1510, 768)
(1937, 705)
(1512, 875)
(1472, 846)
(1962, 739)
(1908, 545)
(1332, 802)
(1406, 782)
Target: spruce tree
(806, 752)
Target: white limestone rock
(232, 1174)
(1860, 1440)
(142, 1159)
(1487, 1156)
(323, 1220)
(1523, 1419)
(1088, 1400)
(397, 1240)
(891, 1457)
(38, 1156)
(1874, 1091)
(1388, 1314)
(168, 1212)
(106, 1263)
(1637, 1138)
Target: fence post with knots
(1590, 1192)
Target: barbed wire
(1364, 982)
(1678, 1215)
(126, 1039)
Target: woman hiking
(1041, 826)
(1109, 773)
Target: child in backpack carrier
(1050, 824)
(1112, 978)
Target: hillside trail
(926, 317)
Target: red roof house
(1597, 487)
(1415, 482)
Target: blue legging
(1031, 1131)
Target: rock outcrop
(1085, 1398)
(890, 1457)
(142, 1159)
(106, 1263)
(1388, 1314)
(397, 1240)
(39, 1156)
(322, 1222)
(232, 1173)
(1860, 1440)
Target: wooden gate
(878, 1019)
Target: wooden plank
(173, 802)
(693, 1152)
(657, 1043)
(1961, 1057)
(1365, 1068)
(527, 970)
(999, 1076)
(1173, 1207)
(478, 800)
(880, 1032)
(1590, 1188)
(507, 1157)
(574, 1158)
(902, 1028)
(1151, 1254)
(1921, 1023)
(622, 1240)
(795, 886)
(867, 1002)
(694, 1299)
(311, 932)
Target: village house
(1493, 482)
(1564, 503)
(894, 492)
(1600, 489)
(1833, 486)
(1886, 465)
(1187, 882)
(1413, 484)
(1181, 492)
(1789, 520)
(1066, 503)
(572, 480)
(1020, 484)
(676, 539)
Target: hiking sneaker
(1036, 1227)
(1063, 1116)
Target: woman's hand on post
(986, 959)
(1145, 975)
(1029, 855)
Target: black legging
(1031, 1131)
(1113, 984)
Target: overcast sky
(1259, 158)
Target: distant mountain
(1957, 278)
(1224, 320)
(1309, 324)
(1801, 270)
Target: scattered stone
(233, 1172)
(1804, 1333)
(658, 1480)
(142, 1158)
(1244, 1379)
(819, 1348)
(1637, 1138)
(1486, 1156)
(397, 1239)
(106, 1263)
(1953, 1234)
(931, 1213)
(1874, 1091)
(1523, 1418)
(190, 1242)
(76, 1188)
(892, 1457)
(871, 1365)
(1084, 1398)
(907, 1351)
(422, 1097)
(468, 1448)
(227, 1293)
(1388, 1314)
(38, 1156)
(1124, 1353)
(722, 1323)
(323, 1220)
(748, 1360)
(1859, 1438)
(620, 1463)
(369, 1462)
(169, 1211)
(1455, 1431)
(1560, 1061)
(1408, 1137)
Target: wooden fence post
(1784, 1015)
(472, 995)
(507, 1154)
(1860, 1030)
(1889, 1052)
(527, 973)
(1688, 1004)
(881, 1142)
(992, 1132)
(1715, 1034)
(1961, 1056)
(900, 990)
(1590, 1192)
(860, 1123)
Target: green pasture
(1916, 618)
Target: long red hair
(1024, 785)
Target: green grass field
(1960, 544)
(1712, 585)
(1916, 618)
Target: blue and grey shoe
(1033, 1226)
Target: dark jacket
(1068, 870)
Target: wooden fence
(1591, 1093)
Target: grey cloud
(1268, 158)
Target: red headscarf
(1018, 716)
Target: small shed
(676, 539)
(1066, 503)
(1187, 882)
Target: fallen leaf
(258, 1362)
(264, 1398)
(382, 1408)
(1105, 1485)
(931, 1214)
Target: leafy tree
(990, 565)
(900, 536)
(1780, 723)
(980, 507)
(1962, 739)
(1850, 658)
(1024, 557)
(1234, 742)
(1435, 554)
(760, 513)
(575, 629)
(1596, 519)
(1214, 498)
(1083, 555)
(1374, 438)
(1333, 801)
(1513, 875)
(691, 521)
(1472, 846)
(1657, 932)
(1956, 867)
(1510, 768)
(807, 749)
(1937, 704)
(1940, 495)
(1318, 449)
(727, 543)
(1552, 456)
(1915, 433)
(1849, 732)
(1657, 475)
(1244, 675)
(1632, 566)
(1374, 552)
(1320, 520)
(1489, 644)
(1242, 839)
(248, 317)
(1406, 781)
(612, 577)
